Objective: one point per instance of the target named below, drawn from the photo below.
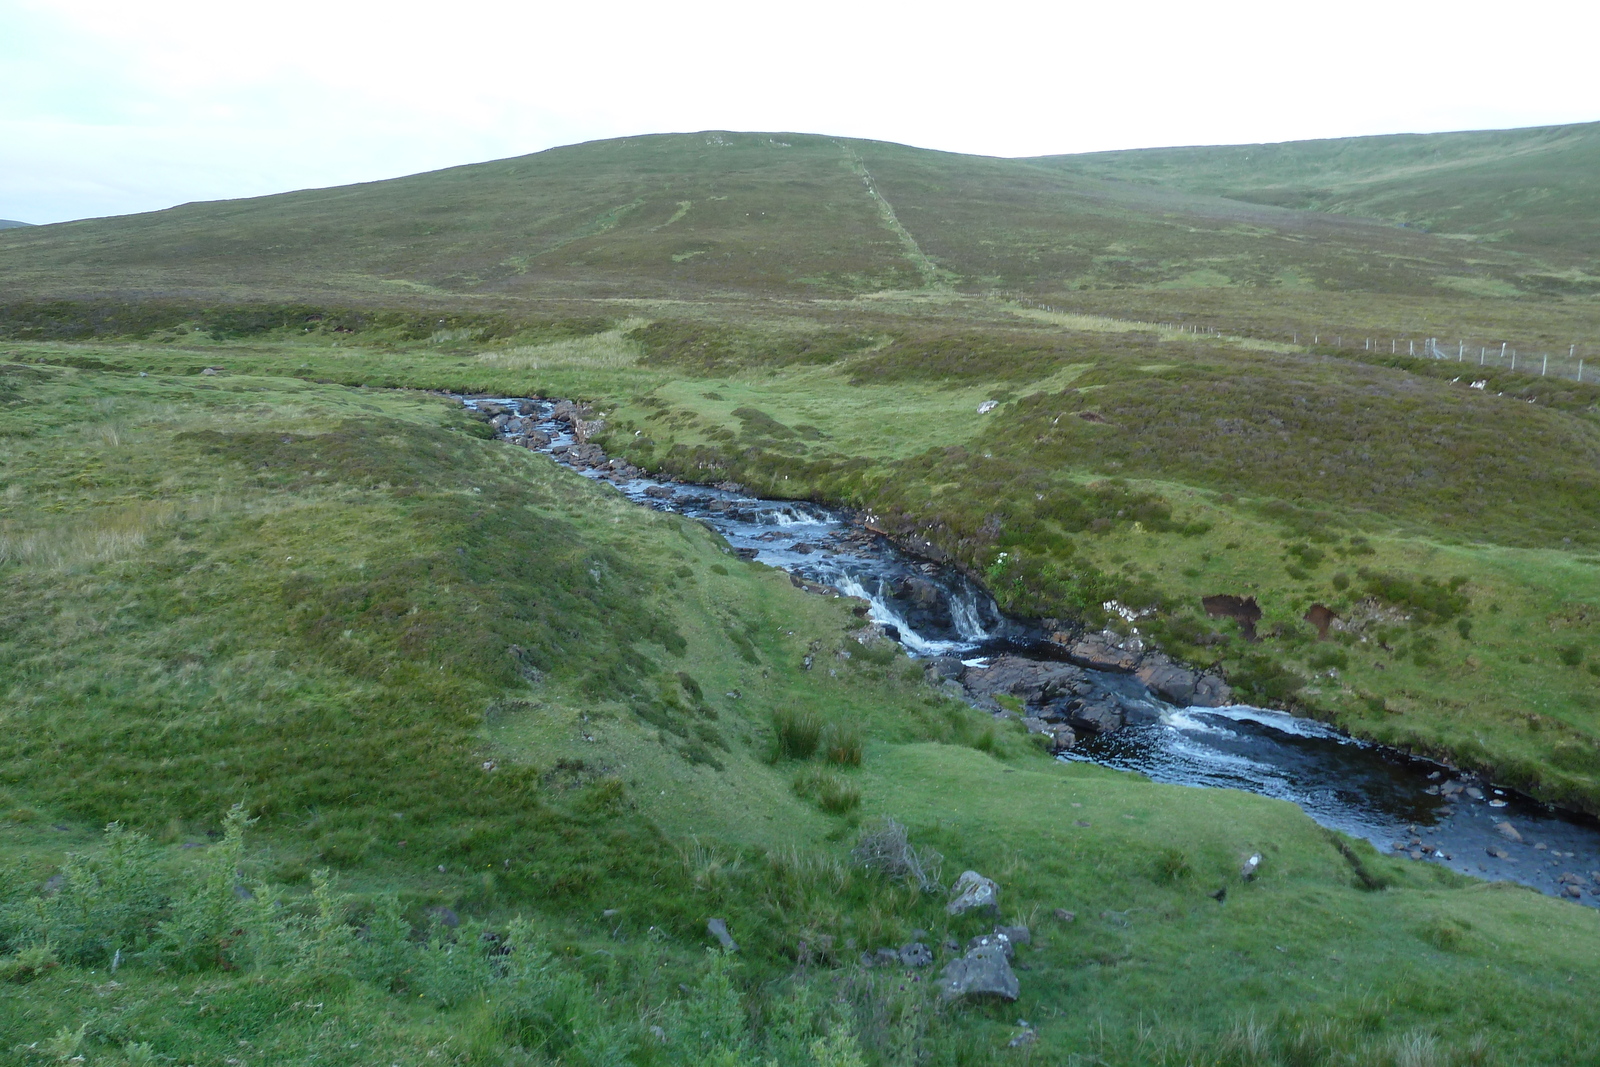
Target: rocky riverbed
(1099, 696)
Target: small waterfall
(964, 613)
(880, 612)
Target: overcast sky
(110, 106)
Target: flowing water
(1400, 803)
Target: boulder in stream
(1107, 651)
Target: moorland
(375, 704)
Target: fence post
(1544, 366)
(1580, 370)
(1461, 351)
(1481, 353)
(1391, 346)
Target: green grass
(462, 677)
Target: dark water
(1410, 806)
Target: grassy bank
(461, 677)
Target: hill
(1530, 188)
(514, 745)
(8, 224)
(696, 215)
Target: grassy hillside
(249, 556)
(715, 214)
(1531, 188)
(463, 677)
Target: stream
(1403, 804)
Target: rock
(1497, 852)
(1474, 792)
(444, 917)
(916, 954)
(718, 929)
(1023, 1039)
(1167, 680)
(972, 890)
(884, 957)
(995, 939)
(1211, 692)
(1247, 870)
(1107, 651)
(492, 409)
(1018, 935)
(987, 406)
(1574, 892)
(1036, 682)
(583, 429)
(499, 422)
(981, 974)
(949, 667)
(1098, 714)
(659, 492)
(565, 411)
(535, 439)
(1062, 738)
(1063, 915)
(1508, 832)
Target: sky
(109, 107)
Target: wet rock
(1508, 832)
(659, 492)
(916, 954)
(582, 455)
(949, 667)
(973, 891)
(1473, 792)
(982, 974)
(1107, 651)
(718, 929)
(535, 439)
(1098, 714)
(920, 591)
(1497, 852)
(566, 411)
(493, 409)
(1211, 692)
(500, 422)
(1574, 892)
(1034, 681)
(1167, 680)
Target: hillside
(698, 215)
(7, 224)
(1529, 188)
(420, 748)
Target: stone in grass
(972, 891)
(1247, 870)
(718, 929)
(916, 954)
(996, 940)
(1018, 935)
(982, 974)
(1063, 915)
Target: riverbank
(1132, 706)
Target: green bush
(796, 734)
(841, 744)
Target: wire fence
(1579, 362)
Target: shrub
(1570, 656)
(796, 734)
(1173, 865)
(841, 744)
(828, 791)
(886, 847)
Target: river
(1411, 807)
